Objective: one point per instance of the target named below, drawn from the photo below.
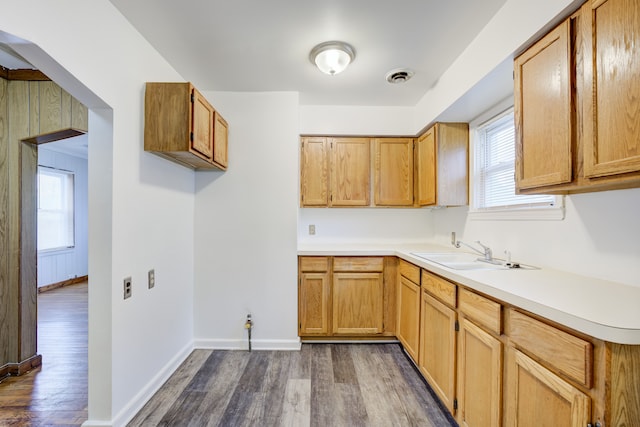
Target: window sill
(524, 214)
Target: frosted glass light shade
(332, 57)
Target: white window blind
(494, 169)
(55, 209)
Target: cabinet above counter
(603, 309)
(182, 126)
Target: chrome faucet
(486, 252)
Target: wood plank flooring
(54, 394)
(322, 385)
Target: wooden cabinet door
(393, 173)
(350, 171)
(479, 377)
(314, 169)
(202, 125)
(426, 168)
(543, 106)
(438, 348)
(537, 397)
(313, 304)
(409, 316)
(220, 140)
(611, 33)
(357, 303)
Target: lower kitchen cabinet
(313, 296)
(538, 397)
(479, 377)
(438, 348)
(346, 296)
(357, 303)
(408, 326)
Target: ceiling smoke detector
(399, 75)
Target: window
(55, 209)
(494, 195)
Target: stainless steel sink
(460, 261)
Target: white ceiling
(260, 45)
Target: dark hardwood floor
(322, 385)
(54, 394)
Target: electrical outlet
(312, 229)
(127, 287)
(152, 278)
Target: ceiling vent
(399, 75)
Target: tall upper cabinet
(577, 94)
(442, 163)
(182, 126)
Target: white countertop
(605, 310)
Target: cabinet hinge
(457, 326)
(300, 325)
(597, 424)
(191, 136)
(331, 198)
(455, 404)
(193, 99)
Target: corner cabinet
(182, 126)
(408, 324)
(442, 165)
(577, 94)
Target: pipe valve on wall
(248, 324)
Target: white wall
(64, 264)
(350, 225)
(141, 207)
(598, 237)
(245, 222)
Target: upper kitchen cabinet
(577, 93)
(335, 171)
(393, 171)
(314, 172)
(350, 171)
(442, 165)
(611, 84)
(543, 111)
(182, 126)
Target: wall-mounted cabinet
(393, 171)
(442, 165)
(406, 173)
(182, 126)
(577, 95)
(335, 172)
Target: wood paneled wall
(27, 109)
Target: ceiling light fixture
(332, 57)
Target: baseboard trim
(127, 413)
(57, 285)
(215, 344)
(21, 368)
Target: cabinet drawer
(440, 288)
(358, 263)
(410, 271)
(482, 310)
(319, 264)
(568, 354)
